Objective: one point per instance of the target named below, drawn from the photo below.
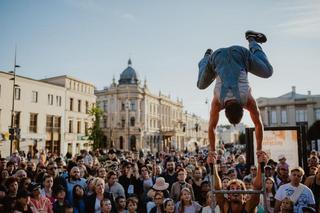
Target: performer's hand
(212, 157)
(262, 157)
(208, 52)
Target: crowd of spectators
(180, 182)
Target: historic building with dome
(135, 119)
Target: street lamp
(14, 86)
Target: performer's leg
(259, 64)
(206, 73)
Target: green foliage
(95, 132)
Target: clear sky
(92, 40)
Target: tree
(95, 132)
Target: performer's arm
(217, 181)
(214, 118)
(256, 119)
(257, 183)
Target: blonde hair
(297, 169)
(96, 181)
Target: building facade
(135, 119)
(79, 100)
(42, 114)
(36, 105)
(290, 109)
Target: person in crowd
(185, 203)
(10, 197)
(120, 204)
(46, 191)
(113, 186)
(237, 202)
(106, 206)
(179, 185)
(132, 205)
(93, 201)
(312, 170)
(241, 167)
(24, 183)
(11, 167)
(22, 204)
(210, 202)
(168, 206)
(196, 182)
(205, 188)
(38, 202)
(145, 184)
(52, 169)
(299, 193)
(286, 206)
(129, 180)
(159, 186)
(282, 175)
(60, 205)
(158, 201)
(169, 174)
(313, 183)
(232, 173)
(79, 205)
(102, 173)
(73, 180)
(90, 185)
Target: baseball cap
(280, 157)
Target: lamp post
(14, 85)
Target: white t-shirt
(306, 197)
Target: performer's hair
(234, 112)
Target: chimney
(293, 92)
(309, 92)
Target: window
(34, 97)
(50, 99)
(71, 104)
(105, 122)
(17, 93)
(58, 100)
(317, 111)
(49, 122)
(33, 122)
(16, 119)
(284, 117)
(86, 129)
(79, 127)
(133, 106)
(57, 122)
(123, 106)
(273, 117)
(105, 106)
(79, 105)
(123, 123)
(132, 121)
(301, 115)
(87, 107)
(70, 126)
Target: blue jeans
(236, 57)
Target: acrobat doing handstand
(229, 67)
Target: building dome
(129, 75)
